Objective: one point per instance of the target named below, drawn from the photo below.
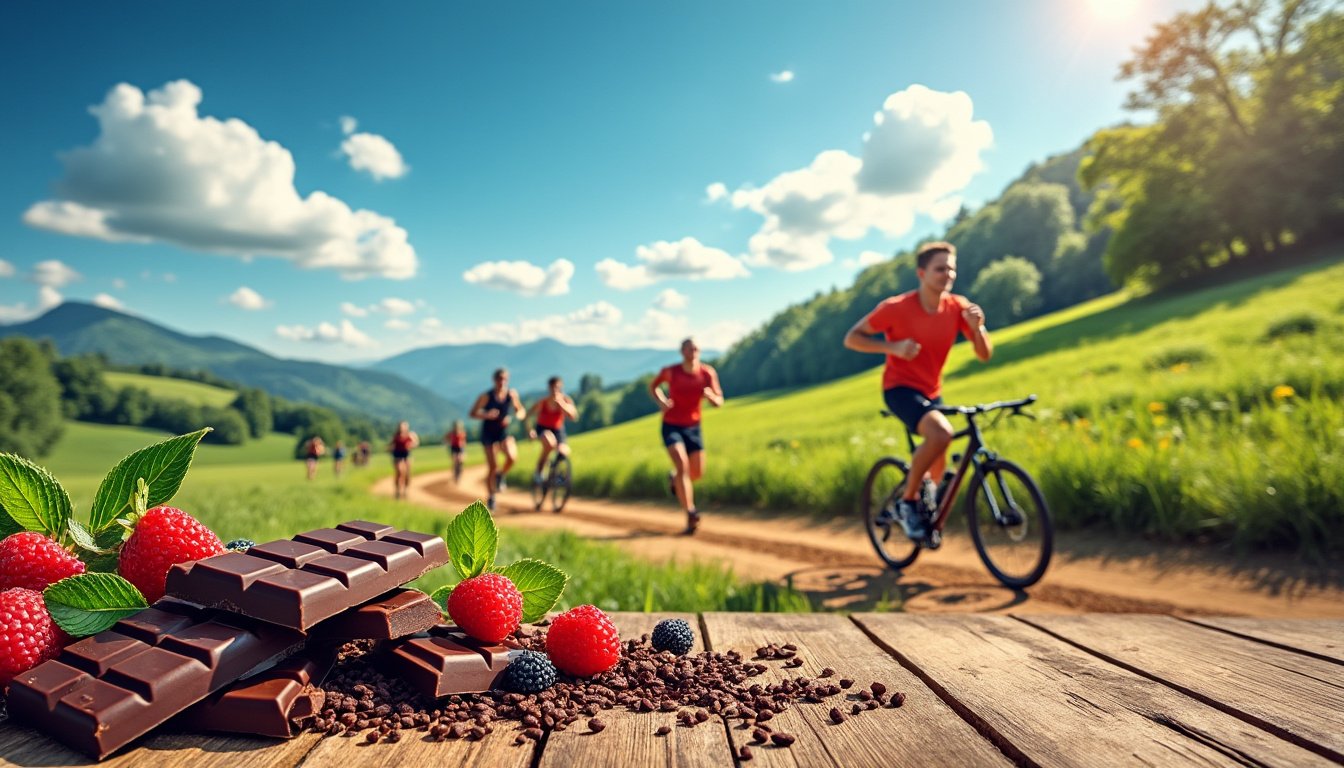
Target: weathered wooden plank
(923, 732)
(1323, 638)
(1294, 696)
(20, 746)
(629, 738)
(1057, 705)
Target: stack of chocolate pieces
(241, 641)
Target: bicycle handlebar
(970, 410)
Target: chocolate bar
(104, 691)
(299, 582)
(396, 614)
(445, 661)
(277, 702)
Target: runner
(550, 413)
(401, 445)
(687, 384)
(456, 440)
(919, 328)
(496, 408)
(312, 451)
(338, 457)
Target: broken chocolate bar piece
(278, 702)
(396, 614)
(299, 582)
(104, 691)
(444, 661)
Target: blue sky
(345, 181)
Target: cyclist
(496, 408)
(456, 440)
(400, 446)
(688, 382)
(550, 413)
(918, 330)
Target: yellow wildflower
(1159, 420)
(1083, 424)
(1180, 368)
(1282, 392)
(1164, 444)
(1135, 443)
(1156, 407)
(794, 445)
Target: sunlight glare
(1112, 10)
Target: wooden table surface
(1089, 690)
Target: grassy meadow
(258, 491)
(166, 388)
(1214, 414)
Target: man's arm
(860, 338)
(975, 322)
(567, 405)
(656, 392)
(518, 408)
(714, 392)
(478, 409)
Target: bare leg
(491, 470)
(510, 455)
(937, 433)
(682, 479)
(547, 445)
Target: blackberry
(530, 672)
(240, 545)
(673, 635)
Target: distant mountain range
(76, 328)
(461, 372)
(429, 386)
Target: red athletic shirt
(401, 442)
(686, 390)
(904, 317)
(457, 439)
(550, 416)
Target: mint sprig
(472, 543)
(540, 583)
(161, 466)
(472, 539)
(31, 498)
(89, 603)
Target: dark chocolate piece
(445, 661)
(301, 581)
(104, 691)
(396, 614)
(278, 702)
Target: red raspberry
(28, 636)
(163, 537)
(487, 607)
(582, 641)
(32, 561)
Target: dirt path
(836, 566)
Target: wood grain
(629, 738)
(1057, 705)
(1290, 694)
(22, 746)
(1323, 638)
(923, 732)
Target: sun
(1112, 10)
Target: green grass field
(1214, 414)
(166, 388)
(258, 491)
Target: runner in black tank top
(496, 410)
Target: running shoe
(692, 522)
(912, 519)
(537, 478)
(490, 503)
(503, 483)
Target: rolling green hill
(163, 387)
(1213, 413)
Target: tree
(134, 405)
(255, 407)
(30, 399)
(589, 382)
(634, 401)
(230, 428)
(85, 394)
(594, 412)
(1009, 289)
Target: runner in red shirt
(687, 384)
(400, 446)
(456, 440)
(918, 330)
(550, 413)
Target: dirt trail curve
(834, 563)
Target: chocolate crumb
(782, 739)
(878, 688)
(744, 753)
(837, 716)
(846, 683)
(596, 725)
(663, 730)
(897, 700)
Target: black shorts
(559, 434)
(688, 436)
(909, 405)
(456, 450)
(399, 455)
(493, 433)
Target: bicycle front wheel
(881, 494)
(561, 474)
(1010, 523)
(539, 490)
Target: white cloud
(374, 154)
(47, 297)
(6, 269)
(923, 149)
(118, 283)
(867, 259)
(687, 258)
(394, 306)
(108, 301)
(523, 277)
(159, 171)
(785, 76)
(327, 333)
(716, 192)
(352, 310)
(671, 298)
(169, 277)
(396, 324)
(348, 124)
(246, 298)
(597, 323)
(54, 273)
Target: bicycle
(556, 483)
(1011, 530)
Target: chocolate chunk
(396, 614)
(279, 702)
(444, 661)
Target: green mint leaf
(541, 585)
(472, 539)
(87, 541)
(440, 596)
(89, 603)
(8, 524)
(162, 466)
(32, 498)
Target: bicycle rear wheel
(561, 474)
(1010, 523)
(881, 494)
(539, 490)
